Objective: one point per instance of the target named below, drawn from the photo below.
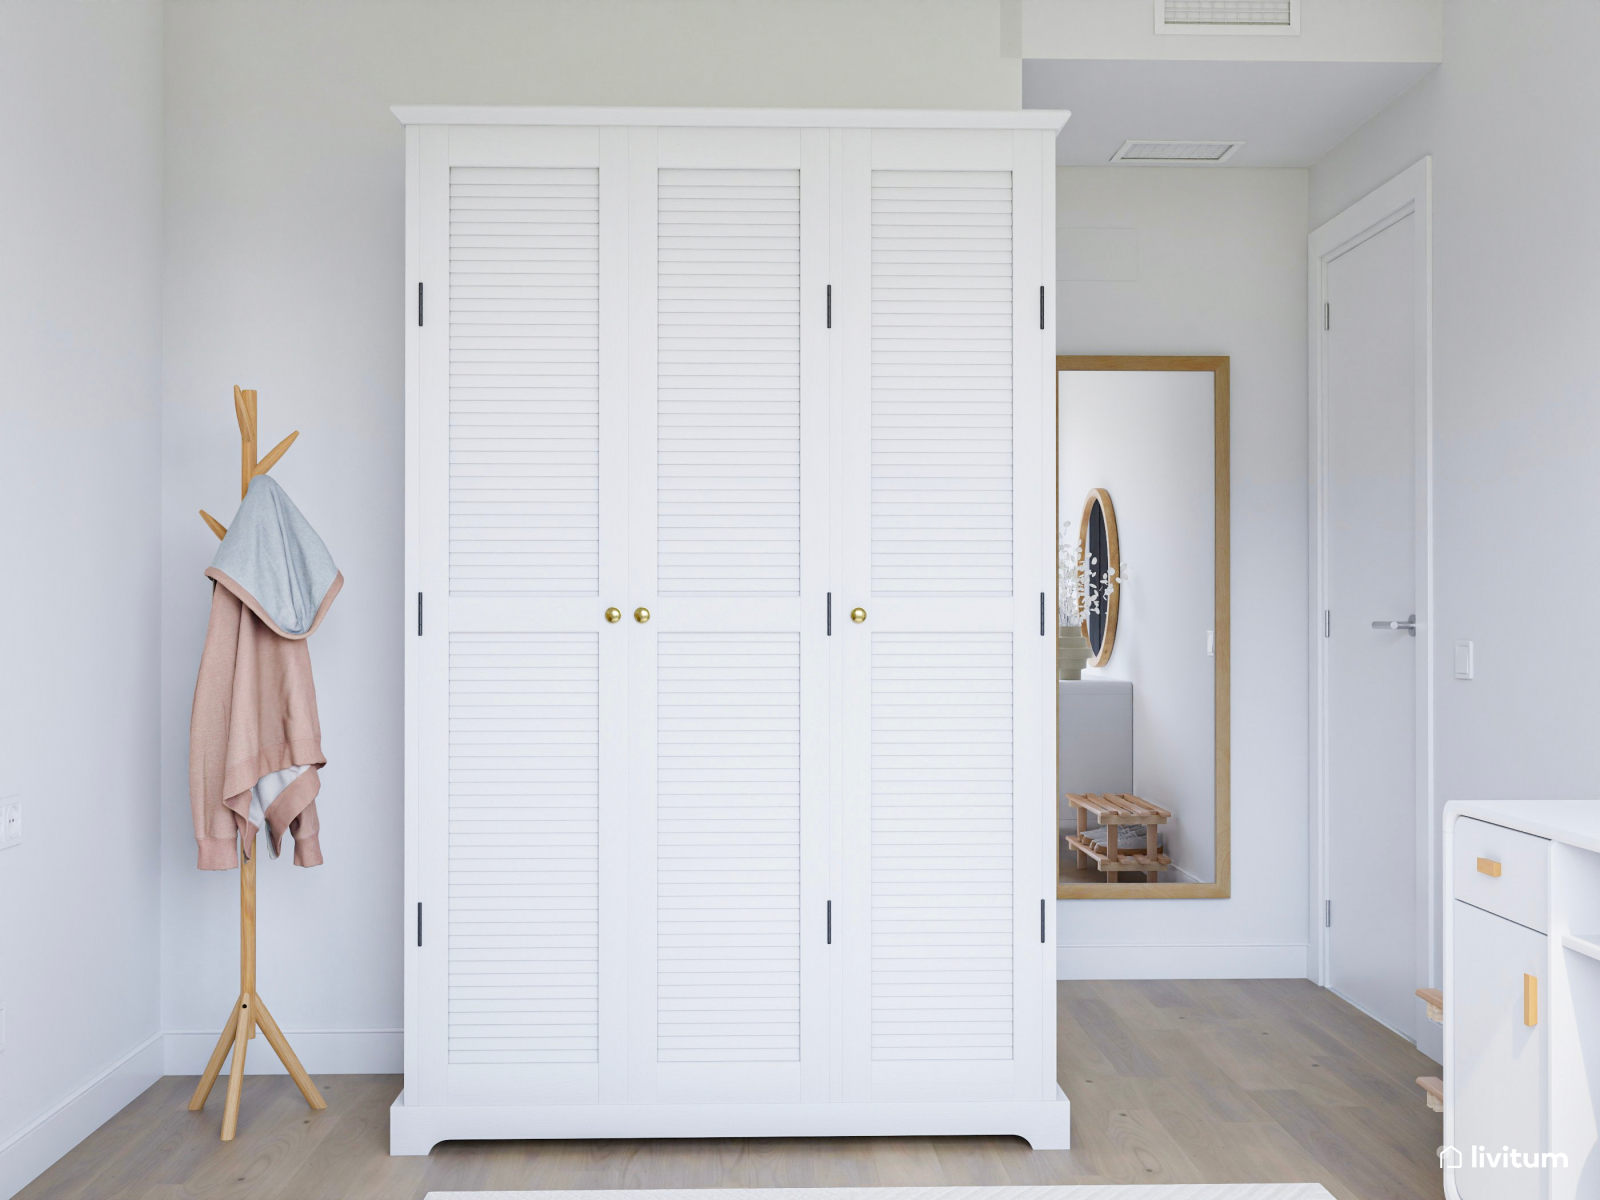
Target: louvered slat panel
(728, 423)
(941, 846)
(523, 930)
(1228, 12)
(728, 847)
(524, 381)
(941, 383)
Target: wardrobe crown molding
(767, 118)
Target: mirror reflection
(1137, 696)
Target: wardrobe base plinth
(416, 1129)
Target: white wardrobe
(729, 623)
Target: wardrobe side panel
(411, 912)
(427, 1076)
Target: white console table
(1522, 999)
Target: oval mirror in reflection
(1101, 566)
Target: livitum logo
(1482, 1156)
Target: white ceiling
(1289, 114)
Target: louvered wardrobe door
(519, 679)
(944, 811)
(728, 708)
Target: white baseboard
(34, 1148)
(1182, 962)
(321, 1051)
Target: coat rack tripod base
(248, 1012)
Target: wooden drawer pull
(1530, 1000)
(1488, 866)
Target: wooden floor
(1190, 1082)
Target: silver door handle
(1409, 624)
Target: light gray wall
(1184, 260)
(284, 269)
(1510, 120)
(80, 230)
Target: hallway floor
(1234, 1081)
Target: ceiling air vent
(1228, 16)
(1176, 153)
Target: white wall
(80, 226)
(1146, 437)
(1172, 260)
(1516, 293)
(284, 269)
(1330, 31)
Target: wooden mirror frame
(1113, 567)
(1222, 835)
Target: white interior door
(521, 473)
(728, 550)
(940, 913)
(1370, 568)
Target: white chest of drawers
(1522, 999)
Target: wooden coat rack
(248, 1011)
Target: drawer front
(1503, 871)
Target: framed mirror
(1100, 555)
(1142, 715)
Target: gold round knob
(613, 615)
(641, 615)
(858, 615)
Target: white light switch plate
(1463, 660)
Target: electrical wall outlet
(10, 822)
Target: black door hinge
(830, 306)
(830, 614)
(419, 614)
(419, 922)
(419, 302)
(1041, 306)
(1041, 921)
(830, 922)
(1041, 614)
(1327, 315)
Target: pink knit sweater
(255, 712)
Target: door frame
(1409, 193)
